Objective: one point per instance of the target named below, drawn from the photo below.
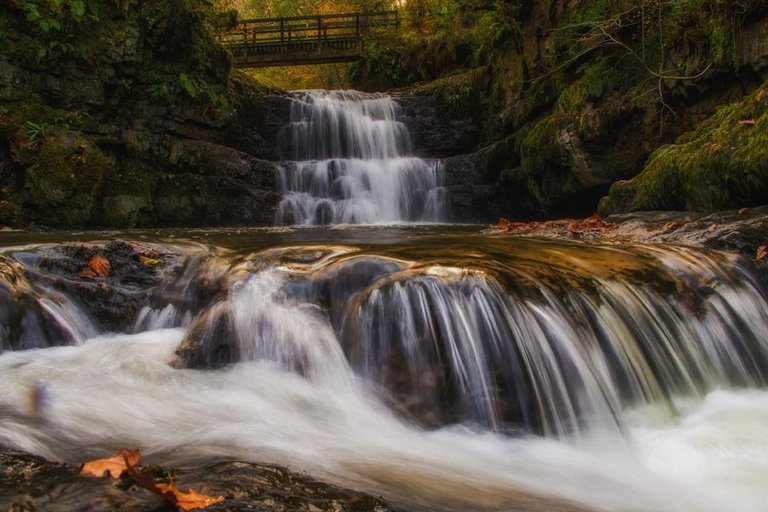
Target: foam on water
(120, 391)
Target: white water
(351, 162)
(114, 392)
(687, 442)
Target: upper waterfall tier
(350, 161)
(344, 124)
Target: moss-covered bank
(122, 113)
(580, 94)
(722, 163)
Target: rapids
(440, 367)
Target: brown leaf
(114, 466)
(762, 253)
(87, 273)
(759, 96)
(170, 493)
(100, 265)
(743, 211)
(670, 226)
(747, 122)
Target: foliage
(722, 164)
(439, 37)
(125, 461)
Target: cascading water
(351, 162)
(550, 376)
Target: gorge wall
(130, 116)
(582, 95)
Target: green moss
(458, 94)
(546, 163)
(128, 194)
(722, 164)
(63, 180)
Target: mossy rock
(128, 196)
(63, 180)
(722, 164)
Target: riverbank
(29, 483)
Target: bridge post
(358, 39)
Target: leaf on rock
(100, 265)
(673, 225)
(114, 466)
(87, 273)
(187, 500)
(146, 260)
(184, 500)
(762, 253)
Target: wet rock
(24, 324)
(29, 483)
(435, 134)
(211, 341)
(61, 273)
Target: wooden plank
(297, 40)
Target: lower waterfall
(442, 369)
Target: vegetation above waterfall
(581, 94)
(128, 113)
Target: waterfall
(350, 161)
(443, 369)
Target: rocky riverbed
(29, 484)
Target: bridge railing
(305, 29)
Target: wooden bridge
(298, 40)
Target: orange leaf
(762, 252)
(88, 273)
(100, 265)
(669, 226)
(187, 500)
(115, 465)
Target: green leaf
(93, 8)
(78, 10)
(595, 87)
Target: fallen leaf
(114, 466)
(148, 261)
(743, 211)
(748, 122)
(87, 273)
(762, 252)
(670, 226)
(100, 265)
(186, 501)
(759, 96)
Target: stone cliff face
(556, 117)
(126, 138)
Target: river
(442, 367)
